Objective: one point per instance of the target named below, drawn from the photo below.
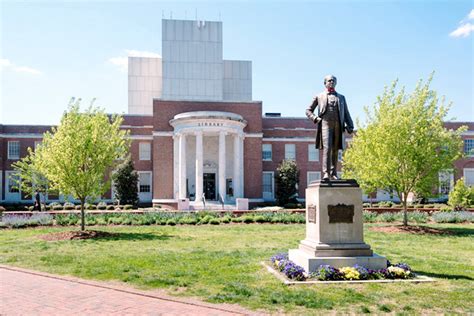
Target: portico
(208, 155)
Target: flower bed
(328, 273)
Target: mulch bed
(74, 235)
(418, 230)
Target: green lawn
(222, 264)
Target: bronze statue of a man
(331, 119)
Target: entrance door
(210, 186)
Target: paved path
(26, 292)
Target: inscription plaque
(312, 213)
(341, 213)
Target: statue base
(334, 228)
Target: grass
(221, 264)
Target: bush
(171, 222)
(369, 217)
(418, 206)
(214, 221)
(286, 180)
(385, 204)
(259, 219)
(236, 219)
(461, 196)
(247, 219)
(101, 206)
(387, 217)
(110, 207)
(20, 221)
(205, 219)
(446, 208)
(417, 217)
(88, 206)
(128, 207)
(453, 217)
(226, 219)
(290, 206)
(77, 207)
(68, 206)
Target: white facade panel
(144, 84)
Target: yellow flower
(350, 273)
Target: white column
(237, 167)
(242, 167)
(199, 167)
(182, 166)
(175, 166)
(222, 172)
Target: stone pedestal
(241, 204)
(334, 228)
(183, 204)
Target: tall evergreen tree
(287, 179)
(125, 180)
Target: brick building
(196, 132)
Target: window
(313, 153)
(144, 182)
(313, 176)
(144, 151)
(446, 181)
(13, 183)
(267, 185)
(14, 150)
(267, 152)
(37, 143)
(469, 147)
(290, 151)
(469, 176)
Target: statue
(331, 119)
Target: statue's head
(330, 82)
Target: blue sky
(50, 51)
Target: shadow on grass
(133, 236)
(459, 231)
(445, 276)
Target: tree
(403, 145)
(287, 179)
(461, 196)
(78, 155)
(126, 183)
(32, 179)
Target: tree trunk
(83, 220)
(405, 215)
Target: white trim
(141, 137)
(164, 201)
(256, 200)
(21, 135)
(468, 133)
(253, 135)
(163, 134)
(135, 126)
(288, 139)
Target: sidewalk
(26, 292)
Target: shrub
(77, 207)
(247, 219)
(387, 217)
(125, 180)
(101, 206)
(226, 219)
(418, 217)
(171, 222)
(461, 196)
(290, 206)
(369, 217)
(88, 206)
(101, 220)
(236, 219)
(385, 204)
(128, 207)
(214, 221)
(68, 206)
(259, 219)
(418, 206)
(453, 217)
(15, 221)
(205, 219)
(286, 180)
(446, 208)
(110, 207)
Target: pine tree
(125, 181)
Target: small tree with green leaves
(32, 179)
(77, 157)
(403, 145)
(287, 179)
(462, 196)
(126, 182)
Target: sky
(52, 51)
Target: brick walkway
(26, 292)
